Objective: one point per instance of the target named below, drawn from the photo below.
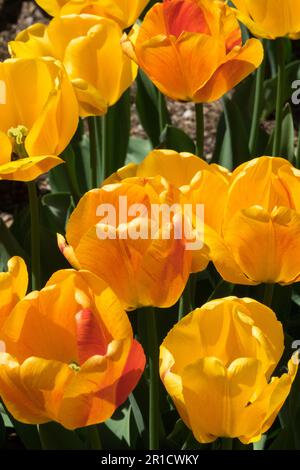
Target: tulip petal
(5, 149)
(28, 169)
(239, 63)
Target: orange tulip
(70, 353)
(172, 46)
(38, 118)
(135, 255)
(259, 239)
(123, 12)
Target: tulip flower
(172, 45)
(123, 12)
(217, 366)
(37, 120)
(13, 286)
(259, 238)
(132, 249)
(192, 176)
(89, 48)
(70, 353)
(270, 19)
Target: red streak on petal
(132, 372)
(184, 15)
(91, 340)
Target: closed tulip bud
(217, 365)
(38, 118)
(172, 45)
(270, 19)
(70, 355)
(119, 233)
(89, 48)
(123, 12)
(259, 237)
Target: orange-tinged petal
(237, 65)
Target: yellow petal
(28, 169)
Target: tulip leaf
(57, 208)
(237, 134)
(284, 440)
(147, 104)
(137, 150)
(117, 132)
(9, 246)
(288, 135)
(28, 433)
(176, 139)
(120, 432)
(2, 432)
(292, 72)
(55, 437)
(223, 289)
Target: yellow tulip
(137, 253)
(171, 47)
(270, 18)
(217, 363)
(259, 239)
(89, 48)
(70, 353)
(13, 286)
(37, 120)
(123, 12)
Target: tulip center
(91, 339)
(17, 136)
(74, 366)
(184, 16)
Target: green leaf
(176, 139)
(26, 432)
(292, 72)
(223, 289)
(9, 246)
(288, 135)
(138, 149)
(2, 432)
(55, 437)
(57, 208)
(117, 133)
(120, 432)
(147, 107)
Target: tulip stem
(153, 358)
(161, 116)
(94, 438)
(94, 149)
(268, 294)
(280, 96)
(199, 113)
(104, 148)
(259, 88)
(35, 236)
(186, 303)
(226, 443)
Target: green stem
(186, 303)
(161, 113)
(199, 129)
(268, 294)
(280, 96)
(94, 150)
(153, 358)
(104, 148)
(259, 88)
(35, 236)
(226, 443)
(94, 438)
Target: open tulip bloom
(183, 243)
